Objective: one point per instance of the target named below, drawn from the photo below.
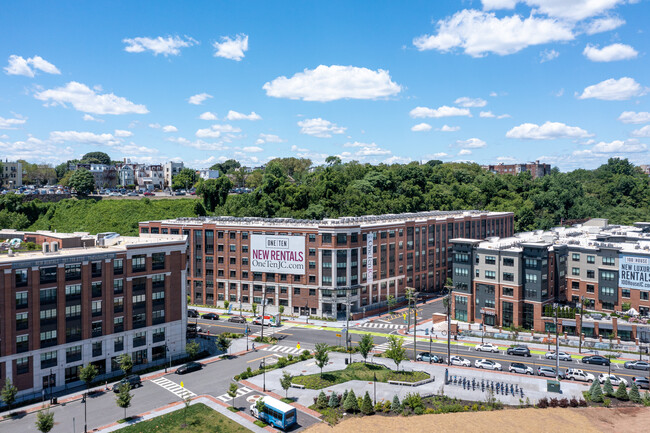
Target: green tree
(192, 349)
(396, 407)
(367, 407)
(322, 401)
(334, 401)
(44, 421)
(125, 362)
(260, 405)
(226, 167)
(365, 345)
(608, 389)
(82, 181)
(254, 308)
(124, 397)
(321, 356)
(87, 374)
(621, 392)
(100, 157)
(232, 392)
(9, 392)
(395, 350)
(185, 179)
(391, 303)
(635, 397)
(351, 404)
(223, 343)
(285, 382)
(214, 192)
(281, 310)
(596, 392)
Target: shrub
(379, 407)
(305, 355)
(345, 395)
(554, 402)
(419, 410)
(387, 406)
(396, 405)
(366, 405)
(564, 402)
(290, 357)
(621, 392)
(475, 407)
(334, 401)
(465, 408)
(607, 402)
(573, 402)
(634, 393)
(608, 389)
(582, 402)
(596, 392)
(351, 404)
(282, 362)
(542, 403)
(412, 400)
(322, 400)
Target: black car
(210, 316)
(595, 359)
(132, 379)
(192, 313)
(237, 319)
(641, 382)
(189, 367)
(518, 350)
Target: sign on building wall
(281, 254)
(634, 272)
(369, 257)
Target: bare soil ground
(581, 420)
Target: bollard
(512, 390)
(522, 392)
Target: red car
(148, 194)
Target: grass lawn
(358, 371)
(200, 419)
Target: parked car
(486, 363)
(148, 194)
(548, 372)
(189, 367)
(518, 367)
(577, 374)
(563, 356)
(132, 379)
(179, 193)
(637, 365)
(519, 350)
(132, 194)
(595, 359)
(237, 319)
(615, 380)
(210, 316)
(192, 313)
(641, 382)
(487, 347)
(459, 360)
(429, 357)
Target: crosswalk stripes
(283, 349)
(270, 331)
(380, 325)
(173, 387)
(240, 392)
(381, 348)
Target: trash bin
(346, 361)
(55, 400)
(553, 386)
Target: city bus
(275, 413)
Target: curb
(298, 406)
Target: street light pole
(415, 326)
(448, 325)
(240, 307)
(262, 333)
(582, 307)
(557, 346)
(86, 412)
(347, 328)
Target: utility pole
(347, 328)
(582, 307)
(262, 334)
(448, 325)
(415, 326)
(557, 346)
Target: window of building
(591, 259)
(531, 278)
(607, 275)
(575, 271)
(508, 276)
(490, 275)
(73, 271)
(138, 263)
(490, 260)
(607, 291)
(158, 261)
(21, 277)
(575, 257)
(21, 321)
(609, 261)
(21, 300)
(139, 339)
(508, 291)
(625, 293)
(507, 261)
(326, 238)
(590, 288)
(22, 365)
(48, 359)
(72, 311)
(591, 274)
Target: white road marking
(240, 392)
(380, 326)
(283, 349)
(173, 387)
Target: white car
(615, 380)
(458, 360)
(577, 374)
(487, 347)
(486, 363)
(563, 356)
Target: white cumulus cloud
(548, 55)
(84, 138)
(642, 132)
(634, 117)
(610, 53)
(489, 114)
(89, 118)
(480, 33)
(233, 115)
(85, 99)
(215, 131)
(573, 10)
(169, 45)
(471, 143)
(320, 128)
(123, 133)
(169, 128)
(421, 127)
(269, 138)
(253, 149)
(447, 128)
(27, 67)
(470, 102)
(11, 123)
(614, 90)
(231, 48)
(616, 146)
(464, 152)
(198, 98)
(329, 83)
(208, 116)
(547, 131)
(444, 111)
(366, 149)
(601, 25)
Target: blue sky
(374, 81)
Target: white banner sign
(369, 258)
(279, 254)
(634, 272)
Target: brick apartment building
(536, 168)
(508, 282)
(312, 267)
(88, 299)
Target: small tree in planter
(396, 407)
(322, 400)
(621, 392)
(365, 345)
(634, 393)
(351, 404)
(366, 406)
(334, 401)
(223, 343)
(45, 421)
(9, 393)
(321, 356)
(192, 349)
(608, 389)
(232, 392)
(124, 397)
(254, 308)
(596, 392)
(285, 382)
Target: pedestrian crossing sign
(404, 315)
(182, 384)
(298, 346)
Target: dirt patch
(587, 420)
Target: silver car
(563, 356)
(487, 364)
(459, 360)
(615, 380)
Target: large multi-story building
(318, 267)
(509, 282)
(536, 169)
(87, 300)
(171, 169)
(11, 175)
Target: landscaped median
(359, 371)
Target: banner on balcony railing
(634, 272)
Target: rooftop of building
(594, 234)
(367, 220)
